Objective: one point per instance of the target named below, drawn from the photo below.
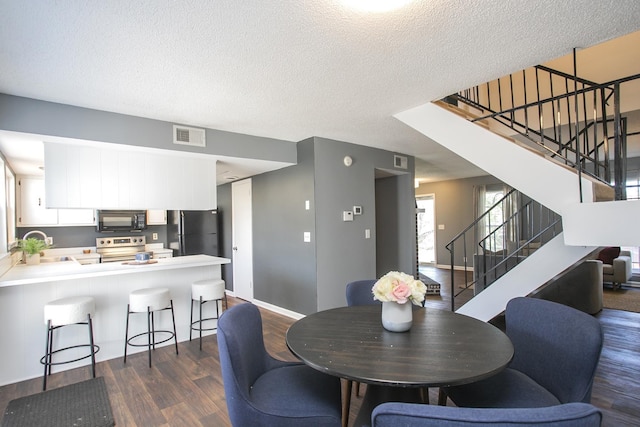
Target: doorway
(426, 229)
(242, 239)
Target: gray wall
(343, 253)
(391, 225)
(454, 210)
(307, 277)
(48, 118)
(284, 266)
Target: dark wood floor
(187, 390)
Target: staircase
(564, 166)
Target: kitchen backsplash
(67, 237)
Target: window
(10, 193)
(4, 247)
(491, 225)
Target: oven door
(112, 220)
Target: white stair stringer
(551, 184)
(602, 224)
(537, 269)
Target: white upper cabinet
(31, 204)
(90, 176)
(76, 217)
(156, 217)
(32, 210)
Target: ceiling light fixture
(377, 6)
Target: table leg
(346, 401)
(377, 394)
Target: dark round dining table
(442, 348)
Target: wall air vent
(400, 162)
(189, 136)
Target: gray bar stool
(66, 312)
(202, 292)
(149, 300)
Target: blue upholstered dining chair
(359, 292)
(417, 415)
(556, 353)
(263, 391)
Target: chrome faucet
(44, 236)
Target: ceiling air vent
(189, 136)
(400, 162)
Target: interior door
(242, 239)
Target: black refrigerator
(193, 232)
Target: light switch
(307, 236)
(440, 226)
(306, 205)
(367, 233)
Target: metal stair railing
(528, 226)
(570, 119)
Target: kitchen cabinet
(79, 176)
(76, 217)
(31, 204)
(32, 210)
(156, 217)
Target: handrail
(481, 217)
(520, 223)
(572, 126)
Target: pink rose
(401, 292)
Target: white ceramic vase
(397, 317)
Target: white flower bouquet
(399, 287)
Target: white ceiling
(289, 69)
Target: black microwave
(112, 220)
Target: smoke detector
(184, 135)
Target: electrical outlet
(154, 236)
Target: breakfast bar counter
(25, 289)
(22, 274)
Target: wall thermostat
(347, 216)
(347, 161)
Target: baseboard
(271, 307)
(455, 267)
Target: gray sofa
(580, 288)
(619, 271)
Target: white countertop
(22, 274)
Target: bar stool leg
(173, 320)
(153, 328)
(93, 353)
(200, 322)
(191, 321)
(126, 334)
(150, 332)
(51, 330)
(47, 357)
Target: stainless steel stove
(113, 249)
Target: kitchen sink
(44, 259)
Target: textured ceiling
(289, 69)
